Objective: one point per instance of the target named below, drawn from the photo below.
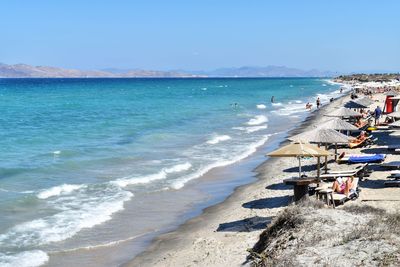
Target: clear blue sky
(335, 35)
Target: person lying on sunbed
(359, 139)
(343, 185)
(359, 123)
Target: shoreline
(161, 250)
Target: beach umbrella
(322, 136)
(338, 124)
(391, 92)
(344, 112)
(299, 150)
(394, 114)
(354, 104)
(366, 101)
(395, 124)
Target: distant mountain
(28, 71)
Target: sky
(340, 35)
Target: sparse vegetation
(301, 235)
(378, 77)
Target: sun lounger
(357, 169)
(392, 183)
(392, 147)
(391, 165)
(362, 158)
(337, 197)
(367, 141)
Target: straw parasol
(338, 124)
(394, 114)
(366, 101)
(354, 104)
(299, 150)
(322, 136)
(344, 112)
(395, 124)
(391, 93)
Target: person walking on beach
(318, 102)
(377, 114)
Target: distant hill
(28, 71)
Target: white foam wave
(277, 104)
(58, 190)
(261, 106)
(179, 183)
(179, 168)
(257, 120)
(123, 182)
(219, 138)
(30, 258)
(57, 152)
(85, 209)
(298, 101)
(255, 128)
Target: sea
(95, 167)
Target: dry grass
(285, 239)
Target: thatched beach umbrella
(391, 93)
(322, 136)
(338, 124)
(299, 150)
(394, 114)
(366, 101)
(344, 112)
(354, 104)
(395, 124)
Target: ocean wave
(261, 106)
(257, 120)
(123, 182)
(58, 190)
(217, 139)
(179, 183)
(255, 128)
(30, 258)
(85, 209)
(277, 104)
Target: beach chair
(361, 158)
(325, 191)
(353, 194)
(391, 165)
(360, 172)
(395, 179)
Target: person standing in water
(318, 102)
(272, 99)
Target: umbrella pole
(326, 160)
(335, 151)
(299, 167)
(318, 163)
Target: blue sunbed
(366, 158)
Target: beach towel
(366, 158)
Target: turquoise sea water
(74, 152)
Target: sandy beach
(233, 226)
(222, 235)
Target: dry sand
(221, 235)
